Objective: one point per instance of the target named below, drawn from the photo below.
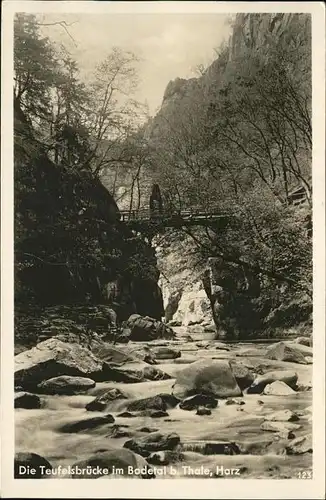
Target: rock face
(287, 376)
(231, 401)
(25, 462)
(53, 358)
(207, 377)
(85, 425)
(146, 329)
(66, 384)
(113, 460)
(100, 403)
(285, 352)
(153, 442)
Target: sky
(169, 45)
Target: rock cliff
(181, 281)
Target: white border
(162, 488)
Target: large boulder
(212, 447)
(27, 401)
(53, 358)
(212, 377)
(282, 416)
(282, 351)
(277, 426)
(131, 373)
(66, 384)
(100, 403)
(198, 400)
(165, 353)
(221, 346)
(105, 463)
(304, 349)
(106, 352)
(154, 413)
(126, 414)
(154, 441)
(140, 353)
(147, 429)
(289, 377)
(87, 424)
(159, 402)
(30, 466)
(117, 432)
(278, 389)
(242, 374)
(126, 373)
(153, 373)
(144, 328)
(300, 445)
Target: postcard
(163, 249)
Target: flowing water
(38, 430)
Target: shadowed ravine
(262, 453)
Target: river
(262, 452)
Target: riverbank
(259, 453)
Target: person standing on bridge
(155, 203)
